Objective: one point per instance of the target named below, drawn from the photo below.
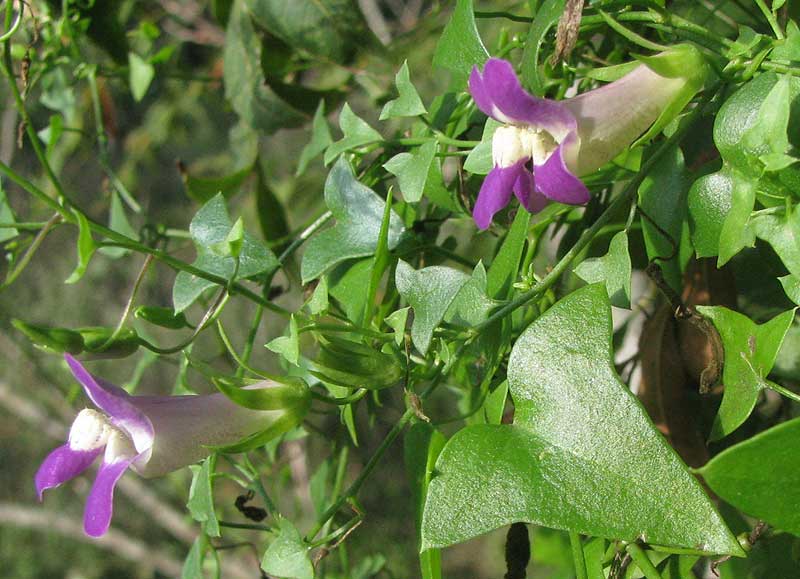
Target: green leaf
(331, 29)
(750, 352)
(791, 285)
(471, 305)
(782, 232)
(349, 283)
(430, 291)
(460, 46)
(210, 227)
(245, 84)
(397, 321)
(736, 233)
(546, 18)
(203, 189)
(141, 74)
(768, 135)
(357, 133)
(164, 317)
(6, 216)
(358, 212)
(504, 269)
(408, 104)
(662, 196)
(193, 564)
(288, 346)
(479, 161)
(231, 246)
(421, 448)
(613, 269)
(761, 476)
(287, 554)
(86, 248)
(201, 496)
(320, 139)
(710, 200)
(582, 455)
(412, 170)
(789, 48)
(118, 221)
(318, 303)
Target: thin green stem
(354, 397)
(304, 235)
(506, 15)
(642, 561)
(26, 258)
(577, 555)
(250, 526)
(14, 27)
(770, 16)
(129, 305)
(783, 391)
(251, 338)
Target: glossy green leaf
(287, 554)
(201, 496)
(761, 476)
(359, 213)
(430, 291)
(6, 217)
(662, 196)
(408, 103)
(750, 352)
(245, 84)
(140, 75)
(782, 232)
(320, 139)
(331, 29)
(791, 285)
(288, 346)
(164, 317)
(471, 305)
(421, 448)
(412, 170)
(460, 46)
(736, 233)
(397, 321)
(357, 133)
(209, 227)
(349, 283)
(479, 161)
(86, 248)
(613, 269)
(546, 18)
(582, 455)
(768, 136)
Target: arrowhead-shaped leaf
(581, 455)
(750, 352)
(408, 104)
(613, 269)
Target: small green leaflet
(318, 302)
(140, 76)
(320, 139)
(582, 455)
(288, 346)
(212, 232)
(750, 352)
(767, 139)
(412, 170)
(460, 47)
(479, 161)
(397, 321)
(613, 269)
(118, 221)
(357, 133)
(359, 213)
(201, 496)
(761, 476)
(782, 232)
(408, 104)
(287, 554)
(193, 564)
(86, 248)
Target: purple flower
(544, 145)
(152, 435)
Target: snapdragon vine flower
(152, 435)
(544, 146)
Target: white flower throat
(513, 143)
(92, 430)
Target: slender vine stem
(643, 561)
(770, 16)
(577, 555)
(26, 258)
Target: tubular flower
(152, 435)
(544, 146)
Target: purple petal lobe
(62, 465)
(115, 403)
(100, 502)
(555, 181)
(510, 103)
(478, 92)
(529, 197)
(495, 193)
